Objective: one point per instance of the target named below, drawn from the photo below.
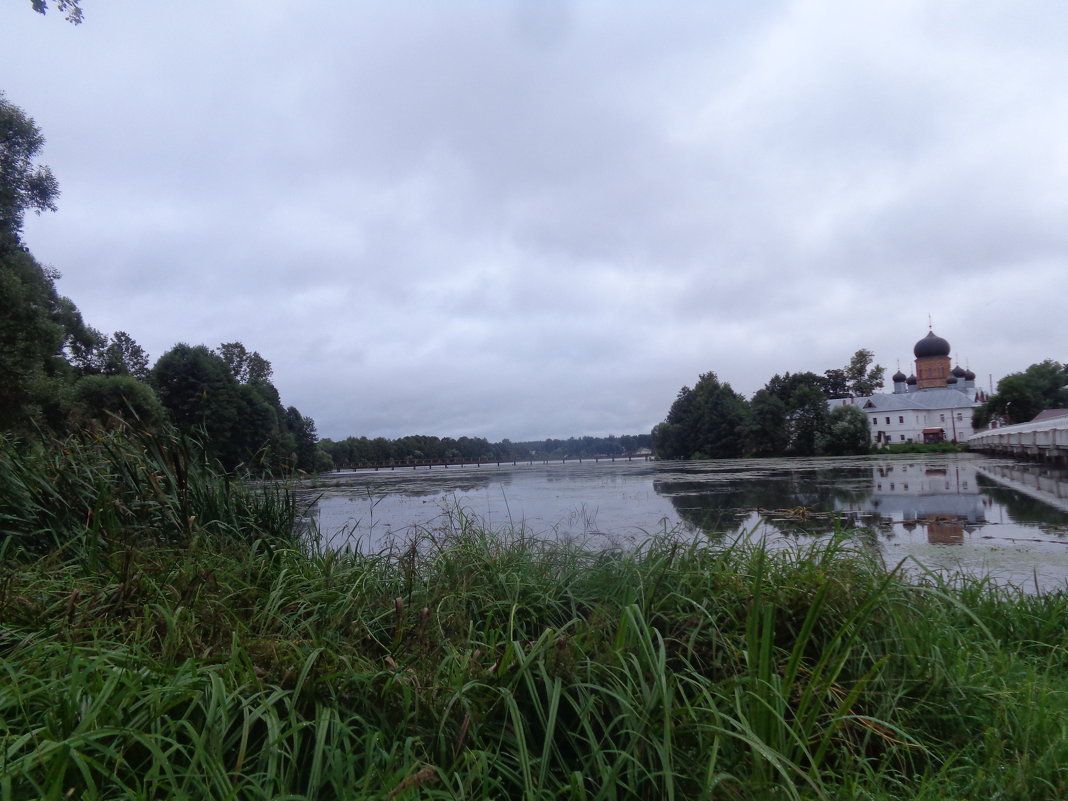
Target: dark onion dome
(931, 345)
(898, 377)
(911, 381)
(951, 380)
(969, 375)
(958, 371)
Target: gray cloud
(541, 219)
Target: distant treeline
(354, 451)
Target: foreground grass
(215, 656)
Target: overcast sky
(541, 218)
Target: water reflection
(945, 497)
(795, 495)
(942, 499)
(973, 512)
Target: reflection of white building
(932, 405)
(944, 497)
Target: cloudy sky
(540, 218)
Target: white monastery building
(933, 405)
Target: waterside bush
(143, 659)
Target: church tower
(932, 362)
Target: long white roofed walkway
(1043, 440)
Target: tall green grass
(151, 658)
(101, 491)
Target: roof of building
(1049, 414)
(904, 401)
(931, 345)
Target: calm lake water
(994, 517)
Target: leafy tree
(44, 344)
(246, 366)
(112, 400)
(709, 421)
(70, 9)
(31, 338)
(200, 395)
(807, 421)
(243, 423)
(768, 432)
(24, 185)
(303, 430)
(857, 379)
(864, 378)
(847, 432)
(323, 461)
(836, 383)
(1020, 396)
(671, 437)
(785, 386)
(123, 356)
(82, 344)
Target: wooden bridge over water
(1044, 440)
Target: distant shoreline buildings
(935, 404)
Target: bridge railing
(1046, 439)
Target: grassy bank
(176, 641)
(922, 447)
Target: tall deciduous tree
(709, 421)
(864, 377)
(671, 438)
(1020, 396)
(44, 343)
(200, 395)
(768, 430)
(24, 184)
(31, 338)
(847, 432)
(804, 398)
(42, 334)
(246, 366)
(242, 423)
(807, 421)
(123, 356)
(303, 430)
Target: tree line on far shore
(356, 451)
(789, 416)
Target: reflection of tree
(808, 501)
(1023, 509)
